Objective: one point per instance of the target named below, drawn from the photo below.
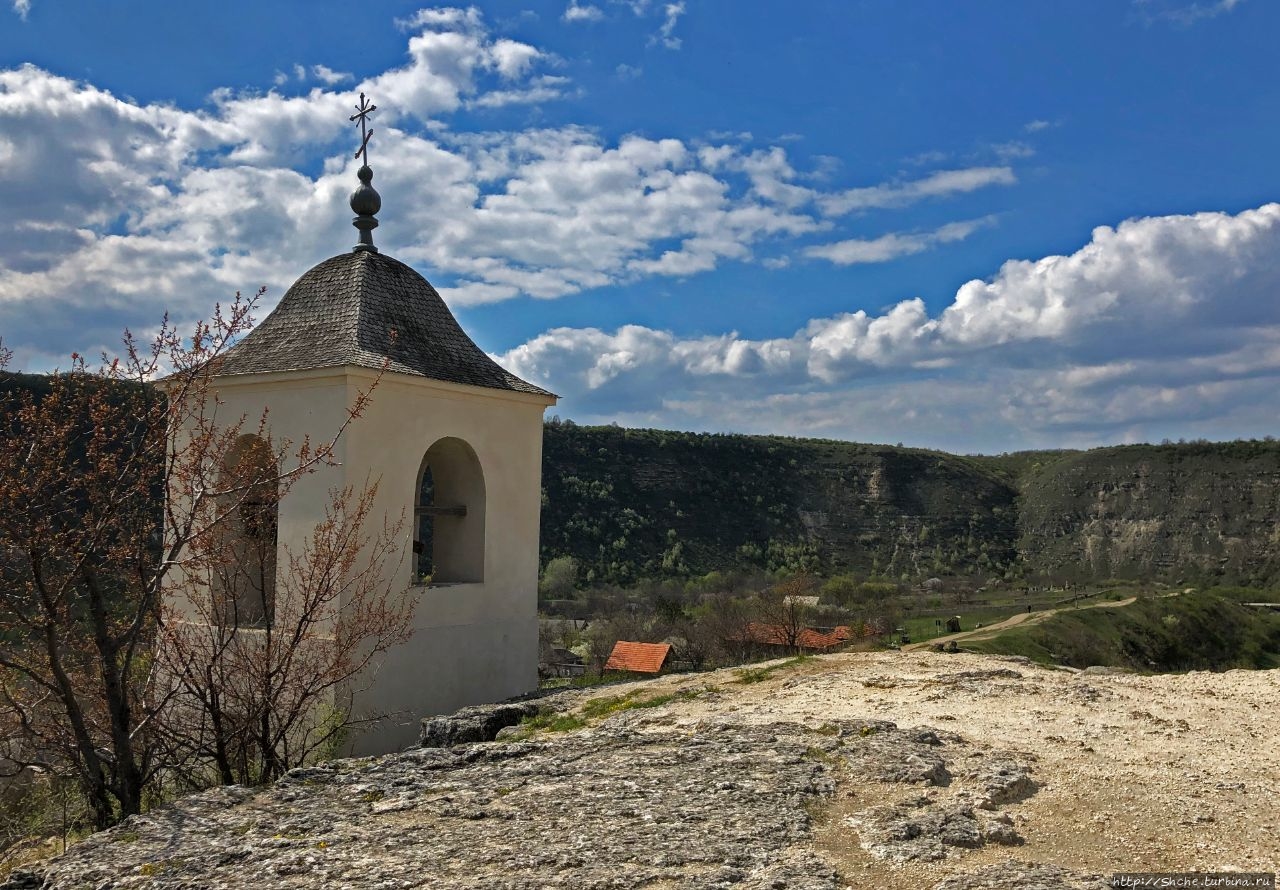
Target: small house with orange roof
(638, 658)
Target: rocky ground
(897, 770)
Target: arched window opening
(449, 511)
(244, 565)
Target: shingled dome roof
(344, 312)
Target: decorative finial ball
(365, 201)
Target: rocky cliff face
(1196, 512)
(896, 770)
(642, 503)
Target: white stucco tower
(455, 443)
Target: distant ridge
(636, 503)
(632, 503)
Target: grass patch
(603, 707)
(760, 674)
(551, 723)
(155, 869)
(598, 709)
(590, 680)
(1246, 594)
(1193, 631)
(822, 756)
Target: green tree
(559, 577)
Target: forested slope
(629, 503)
(632, 503)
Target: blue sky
(981, 226)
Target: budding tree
(256, 698)
(114, 490)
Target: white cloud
(442, 18)
(130, 209)
(1036, 126)
(939, 184)
(447, 57)
(1012, 151)
(577, 12)
(134, 209)
(671, 13)
(1159, 326)
(544, 88)
(22, 8)
(892, 246)
(926, 158)
(544, 213)
(512, 59)
(628, 72)
(328, 76)
(637, 7)
(1181, 13)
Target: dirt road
(986, 633)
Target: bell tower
(454, 442)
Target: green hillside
(631, 503)
(643, 503)
(1208, 630)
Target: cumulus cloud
(578, 12)
(1013, 150)
(1159, 324)
(22, 8)
(130, 210)
(451, 50)
(328, 76)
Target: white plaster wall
(472, 643)
(312, 405)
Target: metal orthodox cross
(363, 110)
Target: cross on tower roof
(363, 110)
(365, 201)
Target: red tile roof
(641, 658)
(807, 638)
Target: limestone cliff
(1194, 512)
(643, 503)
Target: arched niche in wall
(244, 565)
(449, 512)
